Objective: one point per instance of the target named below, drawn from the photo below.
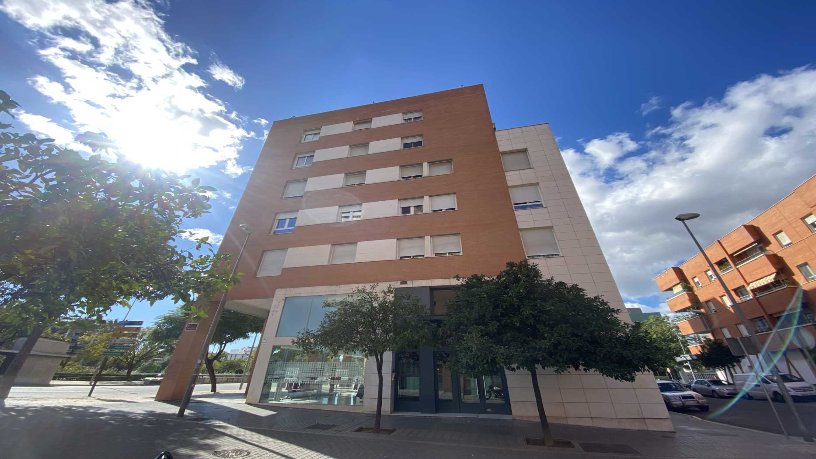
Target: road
(757, 414)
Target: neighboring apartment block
(762, 262)
(412, 193)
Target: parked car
(153, 380)
(714, 388)
(797, 387)
(678, 397)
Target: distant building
(637, 314)
(237, 354)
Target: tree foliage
(231, 327)
(520, 321)
(371, 321)
(671, 344)
(716, 354)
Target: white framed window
(443, 202)
(354, 178)
(271, 263)
(304, 160)
(710, 275)
(294, 188)
(410, 117)
(358, 150)
(411, 171)
(697, 282)
(413, 247)
(447, 245)
(516, 160)
(526, 197)
(810, 222)
(343, 253)
(742, 293)
(712, 307)
(726, 301)
(539, 242)
(743, 331)
(724, 265)
(782, 239)
(310, 135)
(411, 206)
(440, 167)
(725, 332)
(806, 271)
(761, 325)
(414, 141)
(350, 213)
(285, 223)
(361, 124)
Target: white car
(677, 397)
(714, 388)
(797, 387)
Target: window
(411, 171)
(712, 308)
(343, 253)
(526, 197)
(271, 263)
(358, 150)
(301, 313)
(412, 142)
(725, 332)
(411, 117)
(440, 167)
(443, 202)
(742, 293)
(411, 248)
(362, 124)
(440, 297)
(810, 221)
(761, 325)
(447, 245)
(726, 301)
(724, 265)
(782, 239)
(285, 223)
(304, 160)
(411, 206)
(354, 178)
(806, 271)
(539, 242)
(516, 160)
(743, 331)
(294, 188)
(697, 282)
(710, 275)
(310, 135)
(351, 212)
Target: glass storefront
(296, 377)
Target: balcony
(774, 297)
(695, 349)
(747, 255)
(741, 237)
(682, 301)
(694, 325)
(669, 278)
(759, 265)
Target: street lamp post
(682, 218)
(211, 329)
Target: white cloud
(261, 121)
(233, 169)
(197, 233)
(223, 73)
(122, 74)
(654, 103)
(662, 308)
(716, 159)
(47, 127)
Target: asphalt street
(757, 414)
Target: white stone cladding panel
(325, 154)
(379, 146)
(312, 255)
(324, 182)
(317, 215)
(384, 249)
(338, 128)
(387, 120)
(380, 209)
(371, 381)
(384, 174)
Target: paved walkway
(120, 423)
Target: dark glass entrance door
(456, 393)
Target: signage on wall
(191, 326)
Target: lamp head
(684, 217)
(245, 227)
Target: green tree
(80, 234)
(520, 321)
(234, 366)
(231, 327)
(716, 354)
(671, 344)
(370, 321)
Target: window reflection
(408, 371)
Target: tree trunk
(542, 416)
(7, 379)
(209, 363)
(127, 374)
(378, 413)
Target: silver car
(714, 388)
(678, 397)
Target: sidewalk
(128, 425)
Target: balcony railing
(684, 288)
(774, 286)
(752, 253)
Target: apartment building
(762, 262)
(411, 193)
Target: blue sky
(650, 101)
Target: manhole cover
(231, 453)
(616, 448)
(319, 426)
